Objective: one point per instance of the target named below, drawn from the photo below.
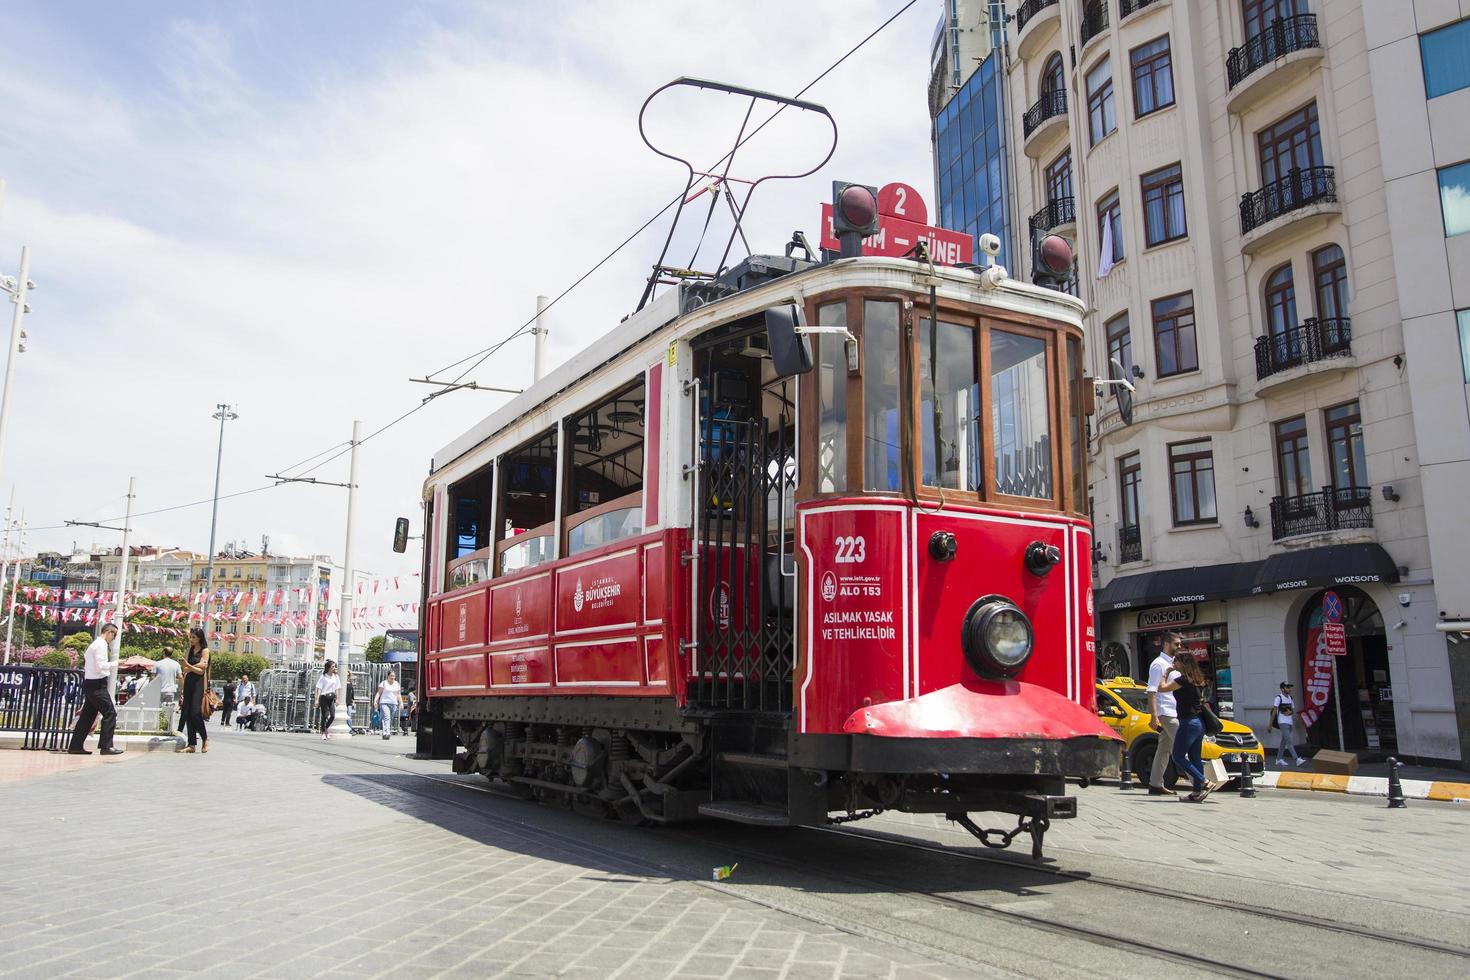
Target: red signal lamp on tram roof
(854, 216)
(1052, 262)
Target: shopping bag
(376, 718)
(1215, 771)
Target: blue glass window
(1463, 318)
(1446, 55)
(1454, 198)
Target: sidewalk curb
(1414, 789)
(128, 743)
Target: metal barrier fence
(288, 692)
(42, 702)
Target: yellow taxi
(1122, 703)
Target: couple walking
(1176, 689)
(100, 661)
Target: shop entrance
(1210, 645)
(1363, 684)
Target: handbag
(1274, 724)
(1210, 719)
(208, 701)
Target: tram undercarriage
(647, 763)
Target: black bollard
(1125, 778)
(1396, 799)
(1247, 781)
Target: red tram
(806, 540)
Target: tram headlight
(997, 637)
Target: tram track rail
(935, 898)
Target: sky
(294, 207)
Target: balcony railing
(1333, 509)
(1279, 39)
(1316, 339)
(1126, 7)
(1062, 211)
(1030, 9)
(1300, 187)
(1130, 544)
(1094, 20)
(1050, 104)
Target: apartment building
(289, 615)
(1278, 486)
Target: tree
(56, 658)
(77, 642)
(373, 652)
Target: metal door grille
(745, 584)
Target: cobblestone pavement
(281, 856)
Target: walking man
(95, 698)
(1283, 711)
(168, 671)
(1165, 714)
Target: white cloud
(301, 257)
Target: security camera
(1405, 598)
(990, 244)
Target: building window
(1174, 345)
(1345, 446)
(1293, 468)
(1454, 198)
(1192, 482)
(1446, 57)
(1101, 116)
(1153, 77)
(1260, 14)
(1163, 206)
(1059, 179)
(1280, 301)
(1120, 342)
(1463, 319)
(1110, 225)
(1329, 276)
(1130, 485)
(1052, 79)
(1290, 143)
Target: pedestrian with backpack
(1283, 714)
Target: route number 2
(851, 549)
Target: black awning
(1202, 583)
(1318, 568)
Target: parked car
(1123, 704)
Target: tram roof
(663, 310)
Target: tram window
(1020, 415)
(1075, 381)
(527, 503)
(955, 439)
(604, 500)
(882, 456)
(469, 522)
(832, 380)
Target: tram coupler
(1396, 800)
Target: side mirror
(400, 535)
(791, 353)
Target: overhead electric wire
(485, 353)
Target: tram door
(744, 531)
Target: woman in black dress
(196, 669)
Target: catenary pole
(542, 302)
(14, 587)
(341, 725)
(18, 297)
(224, 414)
(118, 605)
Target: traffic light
(400, 535)
(854, 216)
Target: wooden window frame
(1096, 100)
(1058, 176)
(1278, 295)
(1110, 208)
(1345, 424)
(1193, 459)
(1130, 465)
(1337, 280)
(1149, 64)
(1269, 140)
(1286, 444)
(1113, 335)
(1161, 182)
(1174, 316)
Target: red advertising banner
(1319, 659)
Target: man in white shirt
(1283, 712)
(1165, 714)
(97, 667)
(168, 670)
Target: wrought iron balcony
(1300, 187)
(1279, 39)
(1333, 509)
(1126, 7)
(1316, 339)
(1062, 211)
(1030, 9)
(1050, 104)
(1130, 544)
(1094, 20)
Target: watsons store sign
(1166, 617)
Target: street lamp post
(224, 414)
(17, 288)
(342, 724)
